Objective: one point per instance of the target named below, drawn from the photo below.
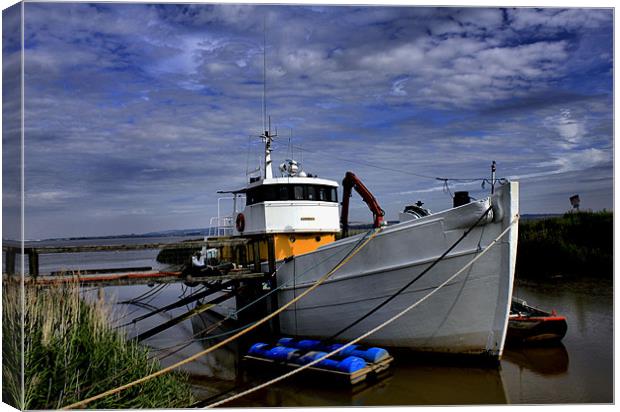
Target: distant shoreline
(205, 231)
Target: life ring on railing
(240, 222)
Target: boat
(296, 216)
(528, 324)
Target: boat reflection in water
(224, 362)
(410, 381)
(544, 360)
(406, 383)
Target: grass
(71, 353)
(573, 244)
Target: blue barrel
(370, 354)
(348, 365)
(259, 349)
(373, 354)
(312, 356)
(281, 353)
(351, 364)
(306, 344)
(309, 344)
(290, 342)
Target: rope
(228, 340)
(370, 332)
(192, 339)
(403, 171)
(424, 272)
(173, 349)
(144, 295)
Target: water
(580, 370)
(101, 260)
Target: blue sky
(137, 114)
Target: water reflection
(413, 382)
(544, 360)
(224, 363)
(578, 371)
(404, 384)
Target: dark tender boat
(527, 324)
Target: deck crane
(349, 182)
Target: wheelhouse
(289, 192)
(300, 213)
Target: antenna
(290, 148)
(267, 136)
(264, 73)
(247, 158)
(493, 177)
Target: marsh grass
(71, 353)
(573, 244)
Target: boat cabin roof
(296, 180)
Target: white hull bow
(467, 316)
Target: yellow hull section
(293, 244)
(285, 245)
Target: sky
(137, 114)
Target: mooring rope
(375, 329)
(411, 282)
(193, 339)
(144, 295)
(228, 340)
(182, 345)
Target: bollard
(10, 261)
(33, 263)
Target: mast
(265, 76)
(267, 136)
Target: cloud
(552, 20)
(569, 129)
(582, 160)
(136, 110)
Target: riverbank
(71, 353)
(568, 245)
(573, 244)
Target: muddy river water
(579, 370)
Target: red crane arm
(349, 182)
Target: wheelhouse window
(298, 192)
(268, 193)
(283, 192)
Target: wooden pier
(12, 249)
(247, 279)
(244, 252)
(133, 278)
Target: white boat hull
(467, 316)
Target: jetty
(244, 251)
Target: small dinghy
(528, 324)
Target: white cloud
(582, 160)
(551, 19)
(154, 105)
(398, 87)
(569, 129)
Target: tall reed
(575, 244)
(71, 353)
